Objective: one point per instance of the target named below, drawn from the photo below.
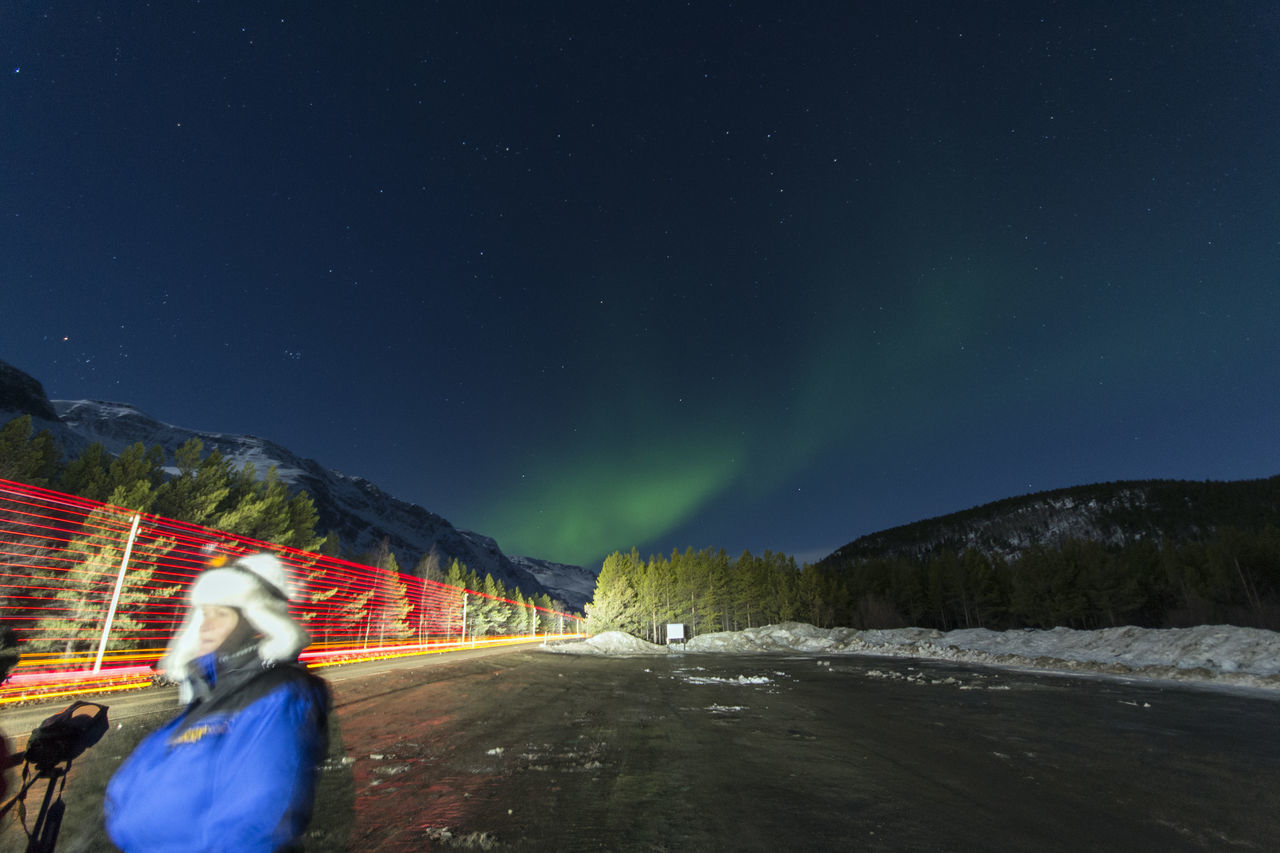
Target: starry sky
(584, 276)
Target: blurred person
(236, 770)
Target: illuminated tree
(485, 612)
(318, 587)
(654, 583)
(428, 567)
(546, 618)
(262, 509)
(460, 578)
(350, 619)
(79, 597)
(613, 605)
(526, 621)
(390, 605)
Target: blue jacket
(236, 771)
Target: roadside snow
(610, 643)
(1220, 654)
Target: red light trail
(62, 557)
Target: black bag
(66, 734)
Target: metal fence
(94, 592)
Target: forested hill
(1111, 514)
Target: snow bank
(1221, 654)
(1216, 648)
(610, 643)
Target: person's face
(216, 625)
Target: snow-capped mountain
(573, 583)
(357, 509)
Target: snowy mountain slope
(565, 582)
(357, 509)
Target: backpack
(66, 734)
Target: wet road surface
(527, 750)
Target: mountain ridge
(1111, 513)
(357, 509)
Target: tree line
(486, 606)
(1228, 576)
(706, 590)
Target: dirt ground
(536, 751)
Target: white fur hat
(255, 585)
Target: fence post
(422, 616)
(115, 596)
(464, 617)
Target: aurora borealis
(584, 276)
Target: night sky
(588, 276)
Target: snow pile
(1222, 654)
(610, 643)
(801, 637)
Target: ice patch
(741, 679)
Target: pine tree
(264, 510)
(86, 475)
(332, 545)
(24, 459)
(80, 596)
(782, 602)
(258, 509)
(391, 596)
(303, 519)
(200, 489)
(33, 462)
(134, 477)
(546, 619)
(613, 605)
(487, 612)
(653, 584)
